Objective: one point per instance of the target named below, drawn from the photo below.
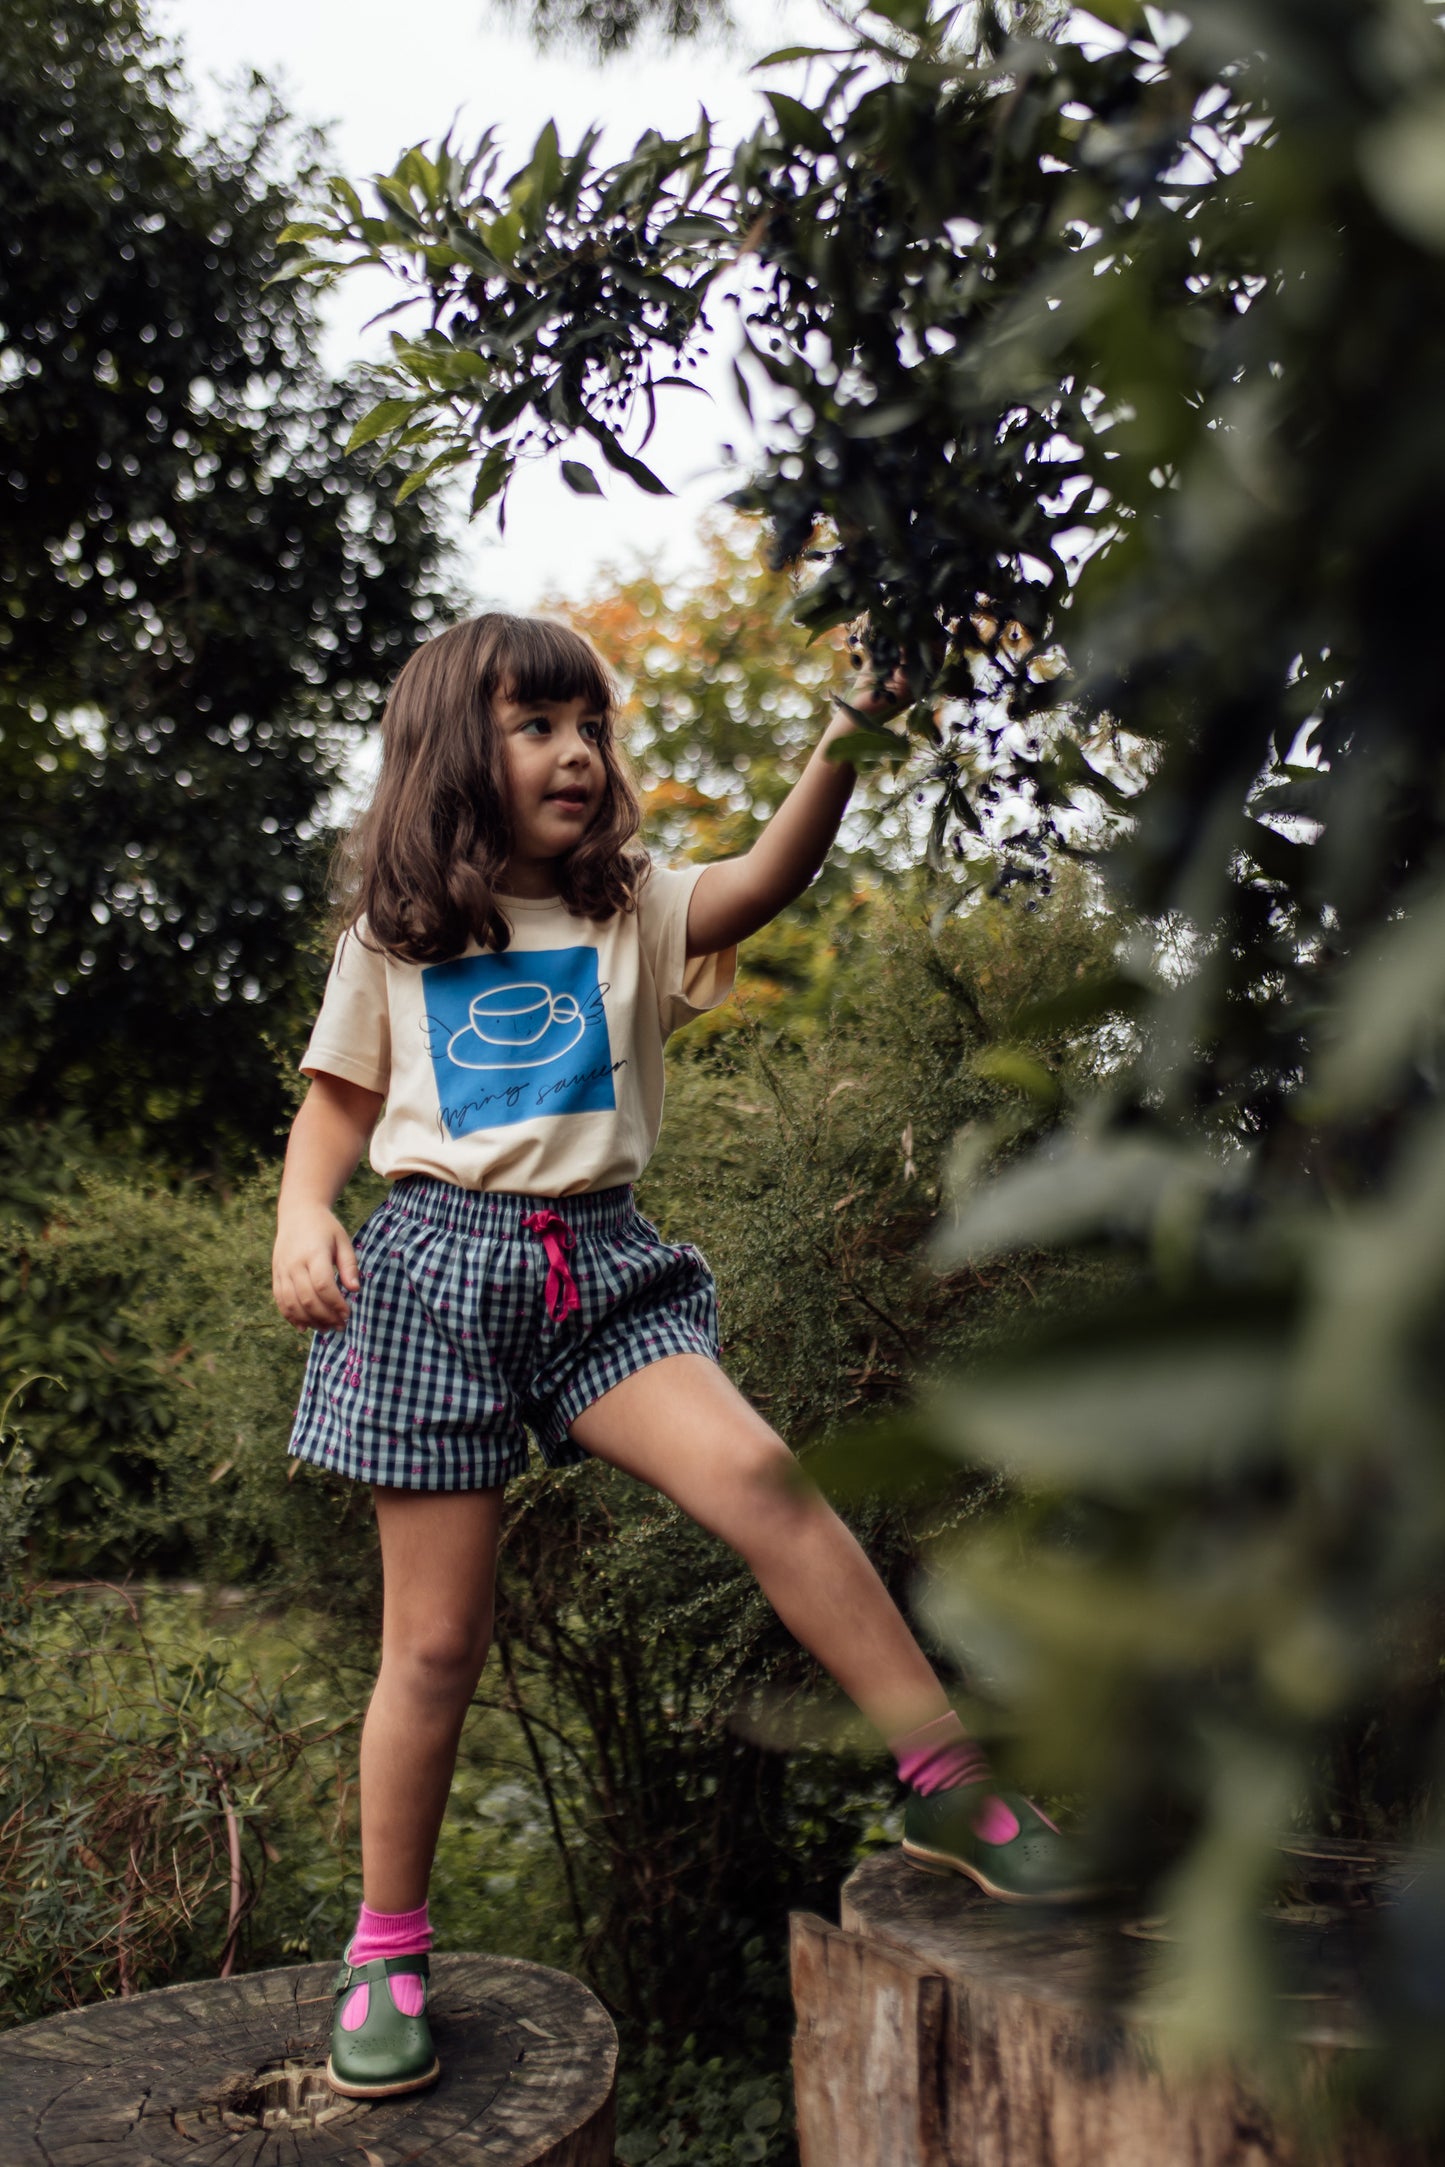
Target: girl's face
(553, 762)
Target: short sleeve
(687, 986)
(352, 1034)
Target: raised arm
(734, 897)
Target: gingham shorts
(450, 1353)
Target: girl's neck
(533, 879)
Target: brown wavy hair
(423, 862)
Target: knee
(440, 1659)
(777, 1501)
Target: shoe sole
(943, 1862)
(380, 2091)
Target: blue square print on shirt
(516, 1035)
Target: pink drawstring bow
(557, 1238)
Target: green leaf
(798, 123)
(1390, 1004)
(624, 462)
(1125, 15)
(503, 237)
(1109, 1414)
(442, 461)
(399, 197)
(580, 478)
(1018, 1071)
(866, 745)
(799, 52)
(419, 174)
(302, 266)
(492, 475)
(884, 419)
(345, 194)
(1402, 160)
(1076, 1189)
(696, 226)
(303, 233)
(387, 415)
(909, 15)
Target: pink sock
(939, 1756)
(388, 1933)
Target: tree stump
(936, 2028)
(229, 2074)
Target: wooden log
(938, 2029)
(229, 2074)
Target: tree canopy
(200, 598)
(1102, 370)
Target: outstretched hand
(879, 701)
(895, 692)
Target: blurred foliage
(200, 599)
(1103, 369)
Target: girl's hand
(313, 1251)
(871, 698)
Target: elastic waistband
(447, 1205)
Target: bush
(140, 1774)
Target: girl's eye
(536, 722)
(593, 732)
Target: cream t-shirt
(537, 1070)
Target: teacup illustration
(506, 1021)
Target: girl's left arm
(734, 897)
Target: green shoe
(1039, 1865)
(387, 2052)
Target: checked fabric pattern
(449, 1356)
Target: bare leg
(439, 1561)
(682, 1427)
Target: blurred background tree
(202, 599)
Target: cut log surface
(229, 2074)
(936, 2028)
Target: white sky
(381, 77)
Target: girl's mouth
(575, 800)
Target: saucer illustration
(518, 1025)
(517, 1036)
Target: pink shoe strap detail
(995, 1822)
(557, 1239)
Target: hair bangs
(536, 659)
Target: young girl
(494, 1024)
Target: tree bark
(938, 2029)
(228, 2074)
